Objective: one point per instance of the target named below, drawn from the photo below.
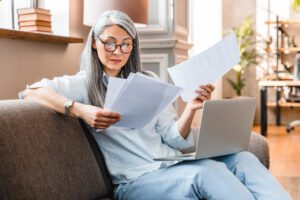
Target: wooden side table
(263, 85)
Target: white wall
(206, 29)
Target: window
(5, 14)
(59, 14)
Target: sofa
(45, 155)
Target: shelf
(285, 50)
(285, 105)
(290, 49)
(283, 22)
(282, 77)
(278, 83)
(23, 35)
(289, 27)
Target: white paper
(139, 99)
(206, 67)
(114, 87)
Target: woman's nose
(118, 51)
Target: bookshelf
(23, 35)
(283, 50)
(284, 28)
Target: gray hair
(92, 64)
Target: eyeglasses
(112, 46)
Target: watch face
(69, 103)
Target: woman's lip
(115, 60)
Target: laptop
(225, 129)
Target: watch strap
(68, 105)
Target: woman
(112, 50)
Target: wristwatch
(68, 105)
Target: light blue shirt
(128, 153)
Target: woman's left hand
(204, 92)
(186, 118)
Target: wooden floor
(285, 157)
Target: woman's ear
(94, 43)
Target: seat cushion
(45, 155)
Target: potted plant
(296, 4)
(248, 55)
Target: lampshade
(137, 10)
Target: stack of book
(34, 20)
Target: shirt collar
(105, 78)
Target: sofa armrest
(258, 146)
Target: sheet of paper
(127, 82)
(168, 94)
(139, 100)
(114, 87)
(206, 67)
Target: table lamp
(137, 10)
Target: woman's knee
(245, 156)
(209, 164)
(209, 168)
(244, 160)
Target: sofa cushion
(99, 158)
(45, 155)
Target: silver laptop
(225, 128)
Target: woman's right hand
(96, 117)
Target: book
(36, 28)
(34, 23)
(34, 16)
(22, 11)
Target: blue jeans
(238, 176)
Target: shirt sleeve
(71, 87)
(166, 126)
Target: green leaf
(296, 4)
(232, 83)
(246, 42)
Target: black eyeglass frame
(116, 46)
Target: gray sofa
(45, 155)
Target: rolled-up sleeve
(167, 127)
(72, 87)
